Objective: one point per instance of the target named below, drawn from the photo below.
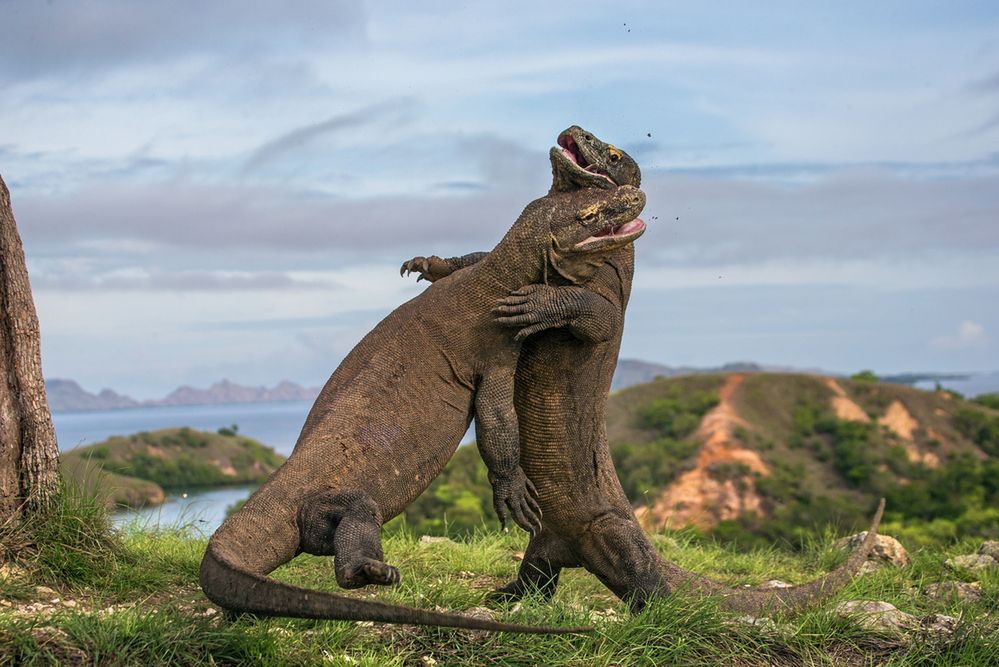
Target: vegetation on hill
(933, 455)
(132, 598)
(174, 458)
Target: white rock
(950, 590)
(886, 549)
(434, 539)
(480, 613)
(45, 592)
(876, 615)
(939, 626)
(971, 562)
(762, 622)
(990, 548)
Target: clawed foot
(529, 308)
(381, 573)
(514, 495)
(504, 595)
(429, 268)
(369, 572)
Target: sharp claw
(420, 278)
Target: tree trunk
(29, 457)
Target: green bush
(988, 400)
(979, 427)
(677, 415)
(646, 468)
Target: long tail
(792, 598)
(238, 590)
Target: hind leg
(544, 559)
(346, 526)
(617, 550)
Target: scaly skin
(563, 380)
(391, 416)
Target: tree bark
(29, 457)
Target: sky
(227, 189)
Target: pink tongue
(566, 152)
(629, 227)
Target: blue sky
(226, 189)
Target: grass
(137, 602)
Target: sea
(276, 425)
(970, 386)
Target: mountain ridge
(68, 396)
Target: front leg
(498, 439)
(434, 268)
(587, 315)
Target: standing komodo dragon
(392, 415)
(563, 379)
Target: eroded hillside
(793, 449)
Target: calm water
(276, 425)
(985, 383)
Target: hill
(772, 454)
(69, 396)
(759, 457)
(630, 372)
(134, 470)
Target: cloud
(694, 220)
(178, 281)
(43, 38)
(988, 84)
(397, 109)
(969, 335)
(847, 214)
(272, 220)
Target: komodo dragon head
(577, 230)
(582, 161)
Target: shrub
(988, 400)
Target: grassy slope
(807, 490)
(769, 401)
(137, 602)
(170, 458)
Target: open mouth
(614, 234)
(571, 151)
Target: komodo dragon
(563, 379)
(392, 415)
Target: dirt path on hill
(704, 496)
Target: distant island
(69, 396)
(137, 470)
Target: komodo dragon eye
(588, 214)
(615, 154)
